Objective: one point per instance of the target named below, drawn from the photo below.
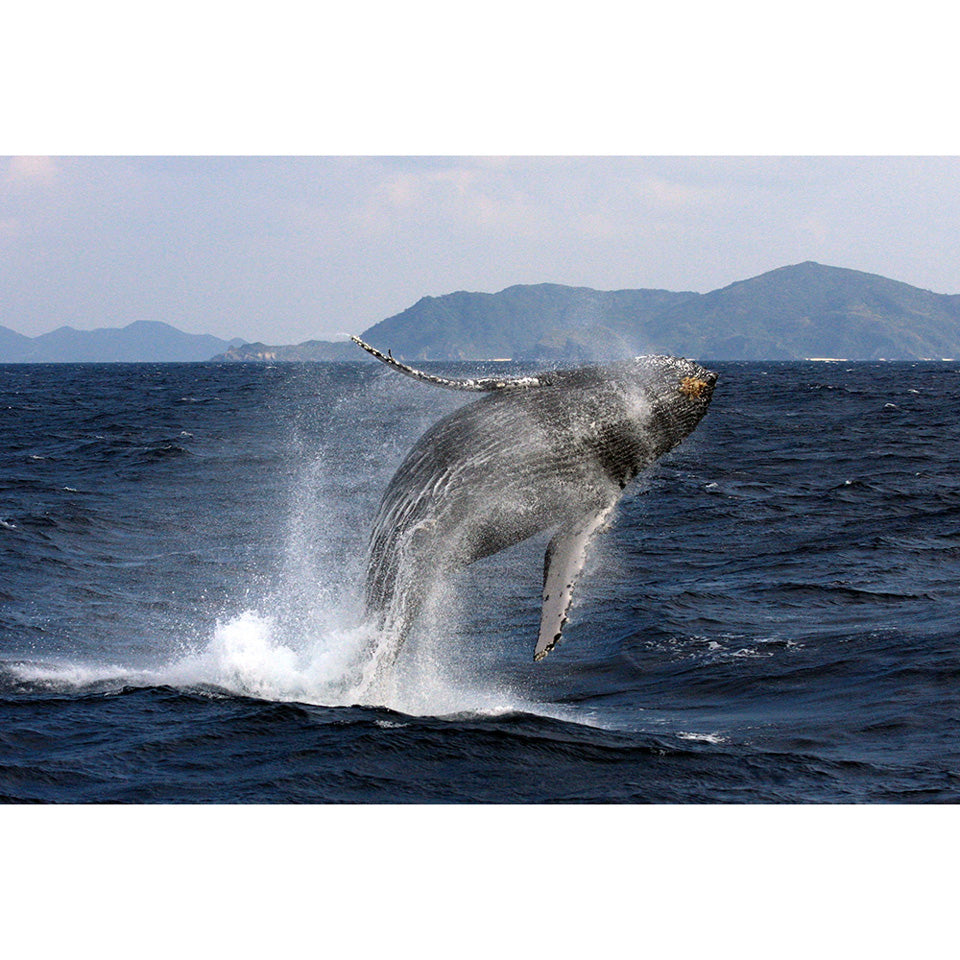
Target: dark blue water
(773, 616)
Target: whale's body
(550, 452)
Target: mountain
(140, 341)
(540, 321)
(803, 310)
(811, 310)
(12, 344)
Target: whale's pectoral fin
(562, 566)
(477, 384)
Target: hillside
(804, 310)
(12, 344)
(140, 341)
(539, 321)
(811, 310)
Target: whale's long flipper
(562, 566)
(480, 385)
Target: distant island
(806, 310)
(143, 341)
(796, 312)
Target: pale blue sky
(287, 249)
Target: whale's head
(681, 389)
(635, 411)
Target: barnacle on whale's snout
(695, 388)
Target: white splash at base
(254, 655)
(251, 656)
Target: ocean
(772, 617)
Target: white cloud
(31, 170)
(672, 194)
(466, 195)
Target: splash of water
(303, 639)
(250, 655)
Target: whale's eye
(692, 387)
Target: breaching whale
(551, 451)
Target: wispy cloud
(670, 195)
(31, 170)
(466, 196)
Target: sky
(285, 249)
(280, 178)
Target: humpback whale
(552, 451)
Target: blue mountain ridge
(792, 312)
(139, 342)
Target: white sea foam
(66, 675)
(702, 737)
(251, 655)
